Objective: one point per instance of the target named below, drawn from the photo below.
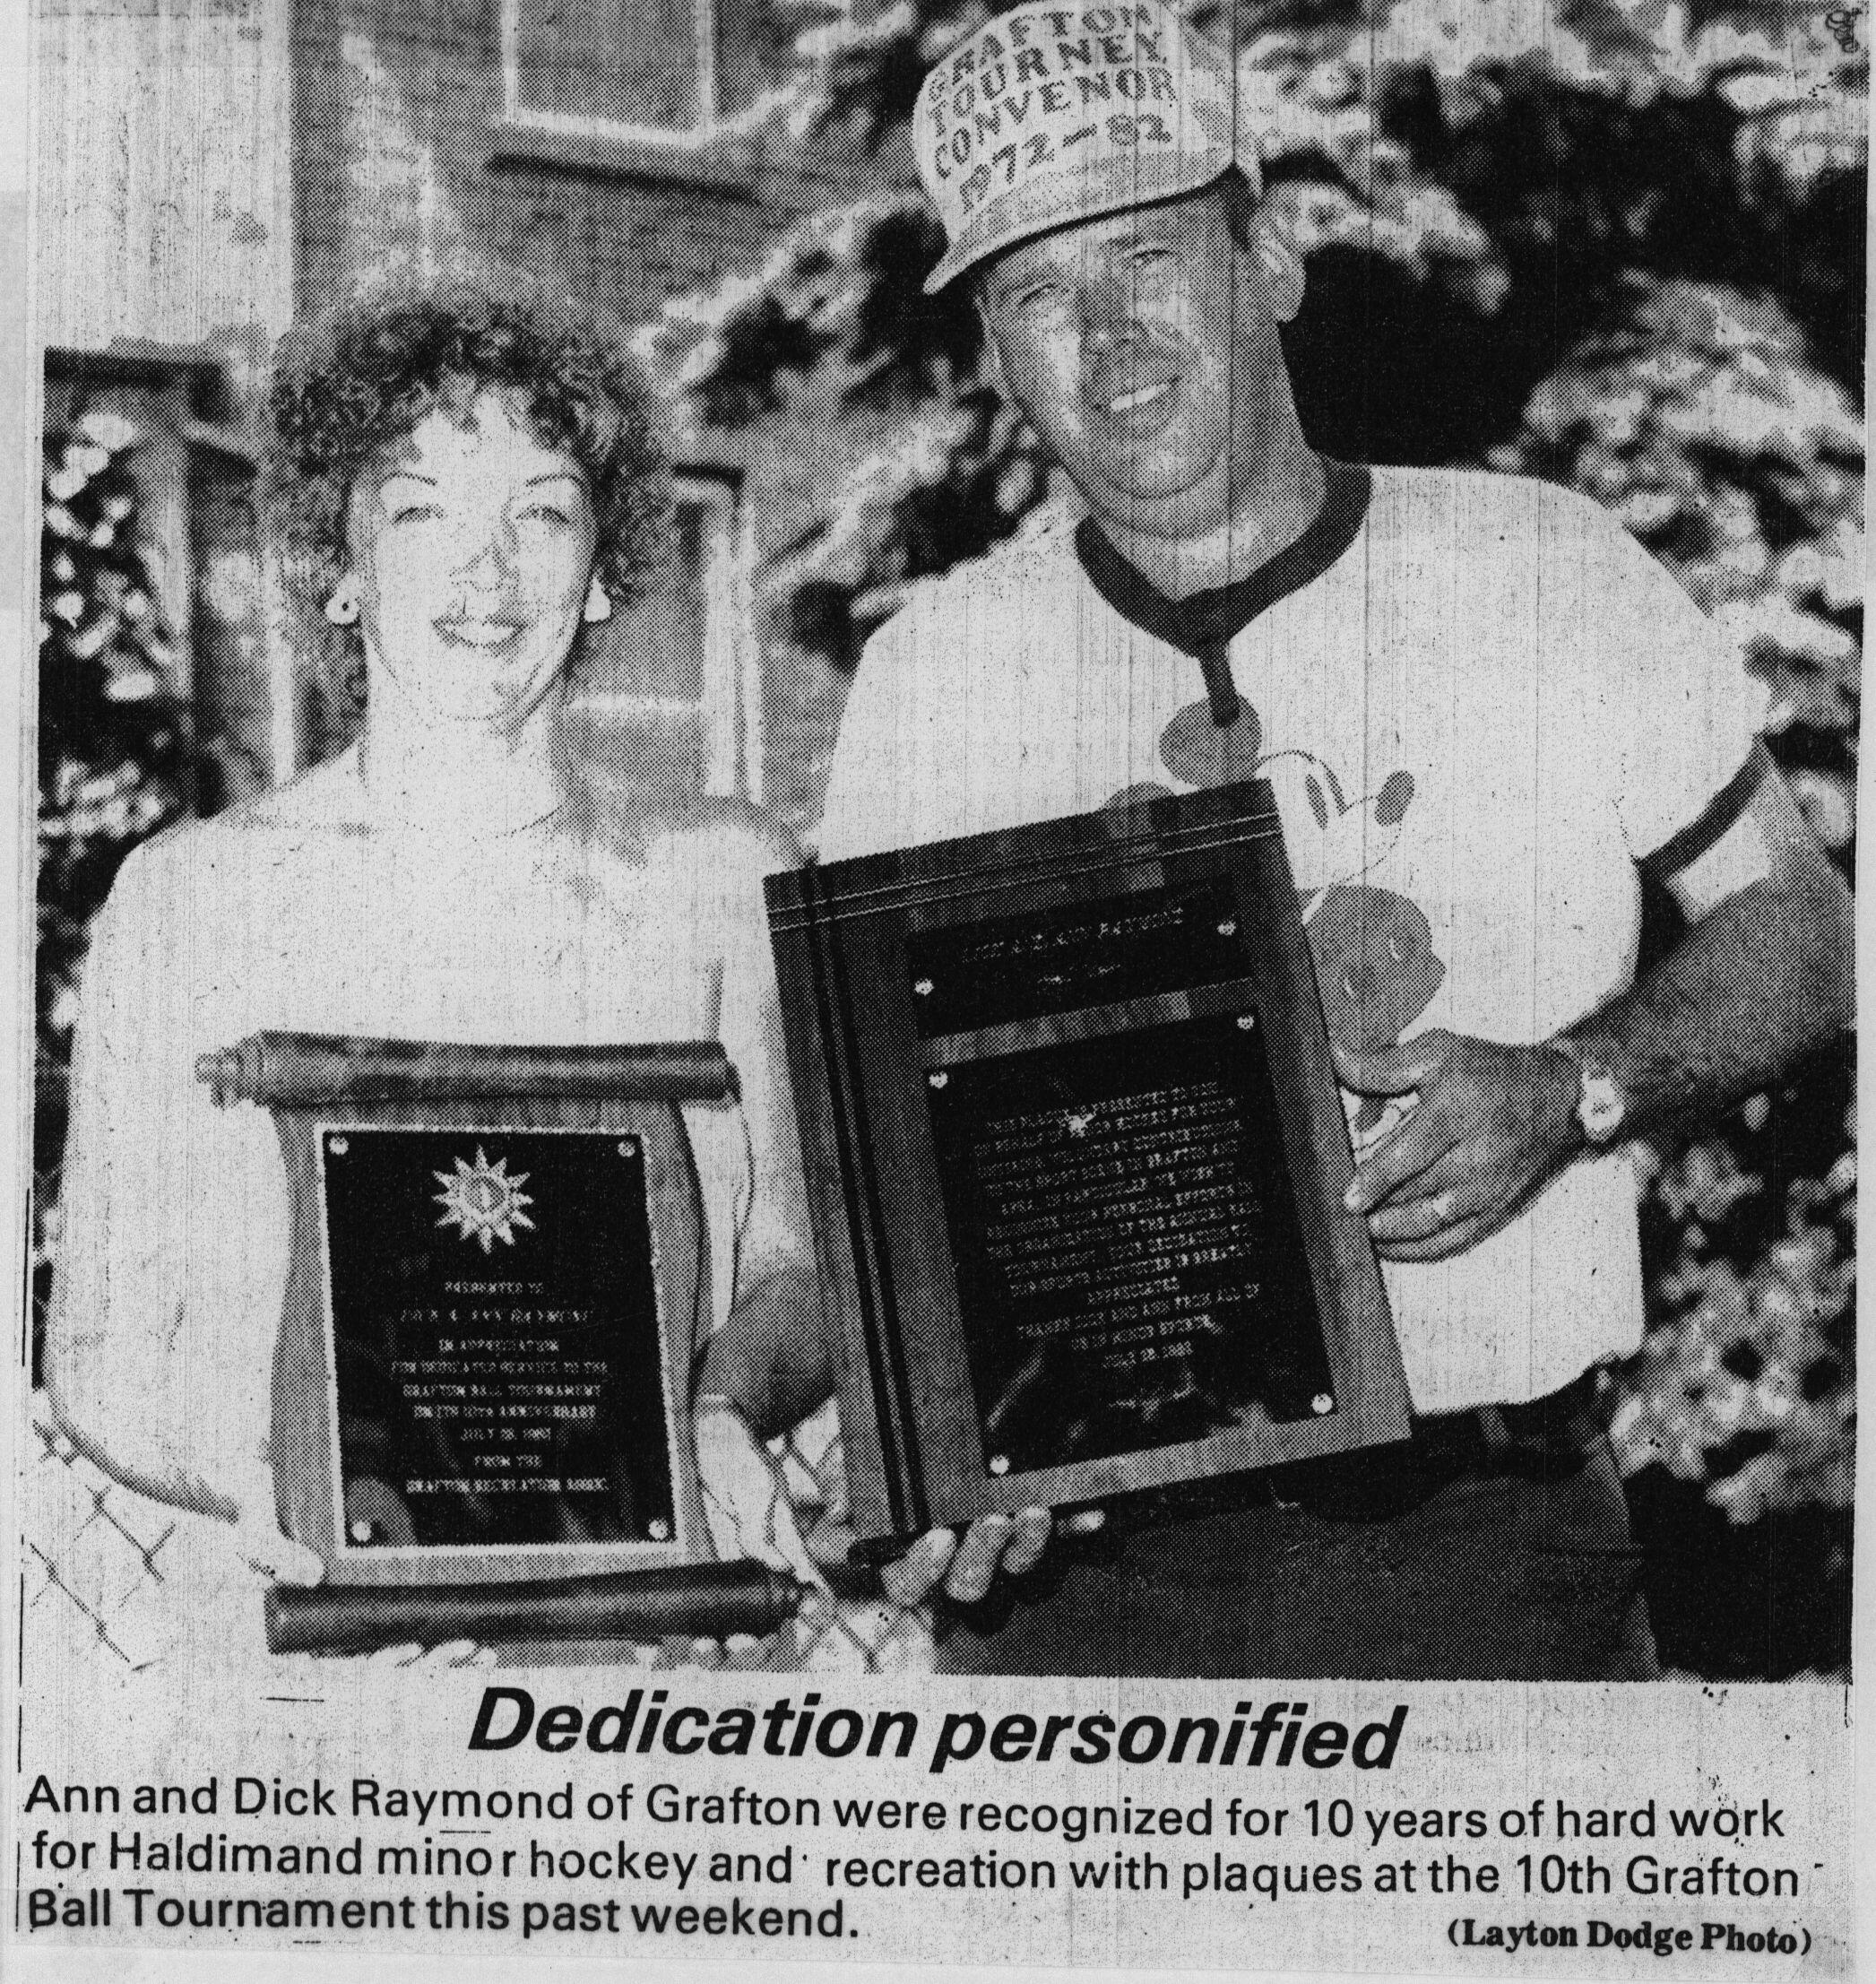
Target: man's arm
(1764, 975)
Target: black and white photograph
(992, 857)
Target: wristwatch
(1602, 1107)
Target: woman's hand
(256, 1542)
(745, 1499)
(452, 1653)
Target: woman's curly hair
(359, 378)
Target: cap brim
(1053, 202)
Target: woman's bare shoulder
(324, 796)
(192, 852)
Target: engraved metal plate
(497, 1350)
(1090, 953)
(1131, 1272)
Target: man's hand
(1491, 1124)
(993, 1543)
(750, 1516)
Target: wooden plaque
(1075, 1159)
(498, 1275)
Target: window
(662, 73)
(668, 695)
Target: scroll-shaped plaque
(1075, 1160)
(499, 1276)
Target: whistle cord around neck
(1215, 664)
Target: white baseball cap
(1054, 113)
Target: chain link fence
(117, 1579)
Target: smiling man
(1484, 712)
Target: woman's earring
(599, 603)
(342, 608)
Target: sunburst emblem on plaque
(482, 1202)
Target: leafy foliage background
(1614, 243)
(114, 756)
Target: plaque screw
(338, 1145)
(999, 1463)
(361, 1532)
(938, 1077)
(658, 1530)
(1322, 1403)
(1228, 928)
(628, 1147)
(924, 988)
(1246, 1021)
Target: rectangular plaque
(1131, 1271)
(1076, 1161)
(497, 1357)
(499, 1279)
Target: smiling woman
(395, 421)
(461, 482)
(471, 567)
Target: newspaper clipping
(941, 985)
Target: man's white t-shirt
(1477, 720)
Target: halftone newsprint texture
(516, 474)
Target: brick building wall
(401, 149)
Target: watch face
(1600, 1107)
